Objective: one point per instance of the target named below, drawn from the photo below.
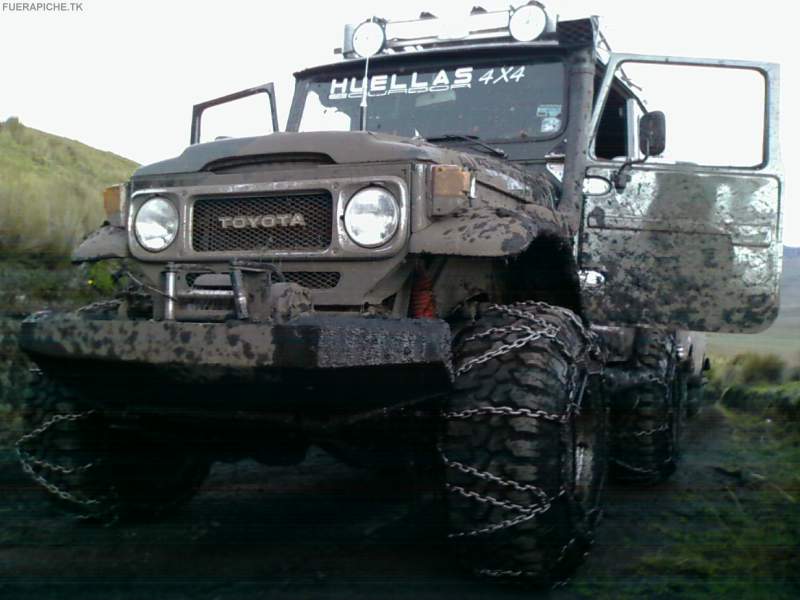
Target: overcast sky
(122, 75)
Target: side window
(714, 116)
(247, 113)
(246, 117)
(612, 136)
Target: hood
(352, 147)
(327, 147)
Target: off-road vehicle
(468, 254)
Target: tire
(647, 421)
(523, 469)
(131, 476)
(694, 400)
(679, 411)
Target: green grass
(51, 196)
(51, 190)
(761, 384)
(743, 542)
(27, 286)
(15, 377)
(730, 537)
(734, 530)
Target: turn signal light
(452, 188)
(114, 204)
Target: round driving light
(527, 23)
(368, 39)
(156, 224)
(372, 217)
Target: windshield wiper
(473, 139)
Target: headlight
(156, 224)
(368, 39)
(527, 22)
(372, 217)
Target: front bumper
(306, 343)
(339, 359)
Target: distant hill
(790, 284)
(51, 189)
(789, 252)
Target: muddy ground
(323, 530)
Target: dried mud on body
(721, 526)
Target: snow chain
(556, 585)
(99, 307)
(533, 330)
(36, 468)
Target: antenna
(365, 90)
(365, 95)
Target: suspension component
(423, 302)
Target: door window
(246, 117)
(714, 117)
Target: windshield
(499, 101)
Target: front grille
(232, 224)
(315, 280)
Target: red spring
(423, 303)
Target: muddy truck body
(464, 257)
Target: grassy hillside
(783, 338)
(50, 190)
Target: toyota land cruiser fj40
(465, 254)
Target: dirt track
(320, 530)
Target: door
(236, 115)
(690, 238)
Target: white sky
(123, 74)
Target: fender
(106, 242)
(489, 232)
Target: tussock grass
(761, 384)
(749, 368)
(51, 190)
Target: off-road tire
(133, 477)
(517, 507)
(647, 420)
(695, 394)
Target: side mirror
(652, 133)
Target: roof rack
(528, 23)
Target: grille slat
(227, 224)
(315, 280)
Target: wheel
(647, 420)
(695, 394)
(100, 469)
(524, 443)
(679, 411)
